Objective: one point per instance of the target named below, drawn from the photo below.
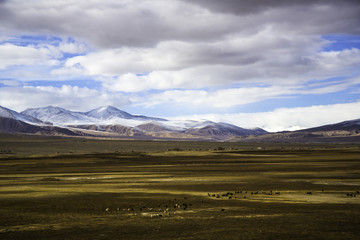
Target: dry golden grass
(165, 194)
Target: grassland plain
(71, 188)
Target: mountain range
(108, 121)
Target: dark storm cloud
(3, 11)
(145, 23)
(309, 16)
(253, 6)
(114, 24)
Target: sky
(278, 65)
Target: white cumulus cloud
(25, 55)
(74, 98)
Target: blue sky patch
(26, 40)
(341, 42)
(79, 83)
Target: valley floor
(246, 192)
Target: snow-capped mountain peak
(99, 116)
(44, 112)
(7, 113)
(110, 118)
(57, 115)
(107, 112)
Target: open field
(58, 188)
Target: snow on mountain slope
(108, 112)
(111, 116)
(108, 115)
(110, 121)
(101, 116)
(57, 116)
(112, 113)
(182, 125)
(7, 113)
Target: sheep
(351, 194)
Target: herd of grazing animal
(352, 194)
(240, 194)
(158, 210)
(174, 206)
(247, 195)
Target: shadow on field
(281, 192)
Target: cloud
(186, 44)
(114, 24)
(243, 6)
(309, 16)
(31, 58)
(224, 98)
(324, 87)
(74, 98)
(263, 58)
(25, 55)
(110, 23)
(177, 55)
(205, 53)
(236, 96)
(10, 83)
(73, 47)
(288, 118)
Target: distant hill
(347, 131)
(8, 113)
(224, 129)
(109, 121)
(9, 125)
(341, 129)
